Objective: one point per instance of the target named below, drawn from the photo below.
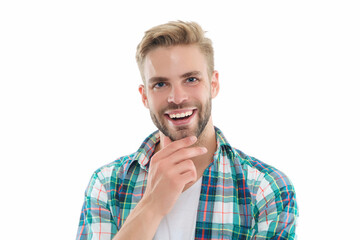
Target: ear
(142, 92)
(215, 87)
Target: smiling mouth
(180, 117)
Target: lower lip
(182, 121)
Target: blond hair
(172, 34)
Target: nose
(177, 95)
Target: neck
(206, 139)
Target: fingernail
(204, 149)
(193, 138)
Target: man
(185, 181)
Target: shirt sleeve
(276, 209)
(96, 221)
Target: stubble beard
(183, 131)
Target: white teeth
(181, 115)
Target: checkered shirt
(241, 197)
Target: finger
(174, 146)
(184, 166)
(188, 177)
(186, 153)
(167, 141)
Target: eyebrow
(185, 75)
(190, 74)
(158, 79)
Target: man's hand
(170, 170)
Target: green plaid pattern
(241, 197)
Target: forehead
(174, 61)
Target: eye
(192, 79)
(159, 85)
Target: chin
(180, 134)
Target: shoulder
(262, 177)
(113, 172)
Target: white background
(289, 74)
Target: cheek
(156, 100)
(201, 94)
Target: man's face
(178, 90)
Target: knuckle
(193, 176)
(189, 163)
(162, 167)
(154, 159)
(189, 176)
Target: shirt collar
(147, 148)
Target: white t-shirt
(180, 222)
